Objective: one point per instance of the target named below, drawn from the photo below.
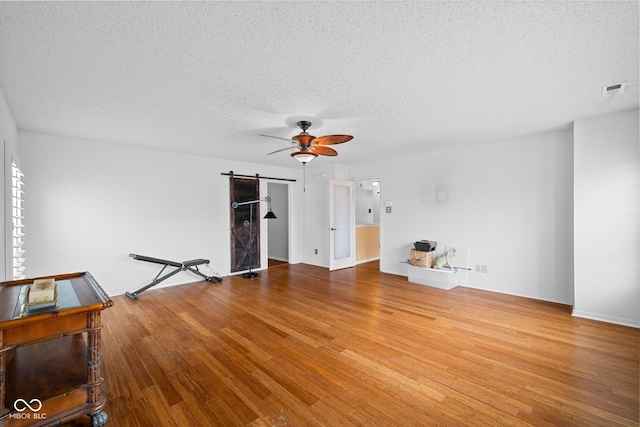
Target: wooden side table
(50, 361)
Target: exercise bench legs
(191, 265)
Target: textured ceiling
(402, 77)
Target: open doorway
(278, 229)
(367, 197)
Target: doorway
(278, 228)
(368, 219)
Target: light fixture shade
(270, 215)
(304, 156)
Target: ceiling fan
(309, 146)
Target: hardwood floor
(301, 346)
(276, 262)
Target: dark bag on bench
(425, 245)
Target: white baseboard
(604, 318)
(362, 261)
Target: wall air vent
(613, 89)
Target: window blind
(17, 221)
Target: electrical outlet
(478, 268)
(485, 269)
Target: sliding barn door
(245, 224)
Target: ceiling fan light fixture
(304, 156)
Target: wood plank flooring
(301, 346)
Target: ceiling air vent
(613, 89)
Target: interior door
(342, 225)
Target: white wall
(8, 135)
(367, 201)
(376, 204)
(607, 218)
(364, 205)
(509, 202)
(92, 203)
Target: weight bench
(191, 265)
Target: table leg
(94, 360)
(99, 419)
(3, 369)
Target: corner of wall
(9, 135)
(606, 208)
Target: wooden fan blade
(276, 137)
(324, 151)
(332, 139)
(279, 151)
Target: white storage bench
(436, 278)
(442, 278)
